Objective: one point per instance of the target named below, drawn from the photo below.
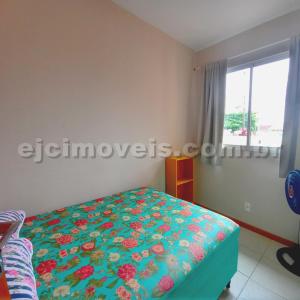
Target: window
(255, 100)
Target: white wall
(89, 71)
(227, 187)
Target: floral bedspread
(139, 244)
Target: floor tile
(260, 275)
(254, 291)
(270, 253)
(253, 241)
(248, 260)
(238, 282)
(271, 275)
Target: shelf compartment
(184, 169)
(185, 191)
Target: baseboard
(255, 229)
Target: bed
(139, 244)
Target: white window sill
(252, 151)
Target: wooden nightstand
(180, 177)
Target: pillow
(13, 215)
(19, 248)
(19, 273)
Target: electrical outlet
(247, 206)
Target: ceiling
(201, 23)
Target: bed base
(208, 281)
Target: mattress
(139, 244)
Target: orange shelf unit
(180, 177)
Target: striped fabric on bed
(13, 215)
(16, 257)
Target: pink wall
(89, 71)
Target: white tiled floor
(260, 276)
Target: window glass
(236, 108)
(268, 101)
(268, 91)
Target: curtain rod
(275, 48)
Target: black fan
(289, 257)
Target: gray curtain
(212, 111)
(292, 111)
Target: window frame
(251, 65)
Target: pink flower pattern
(139, 238)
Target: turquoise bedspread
(140, 244)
